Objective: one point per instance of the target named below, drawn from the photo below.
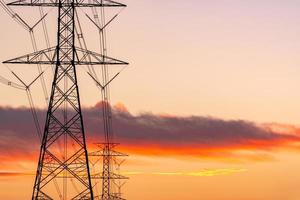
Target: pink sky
(232, 60)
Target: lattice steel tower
(60, 167)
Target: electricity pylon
(63, 158)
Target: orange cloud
(155, 135)
(200, 173)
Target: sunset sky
(209, 107)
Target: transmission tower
(63, 158)
(112, 181)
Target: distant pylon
(63, 170)
(112, 181)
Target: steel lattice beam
(49, 57)
(80, 3)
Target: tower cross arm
(78, 3)
(48, 57)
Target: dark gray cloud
(18, 135)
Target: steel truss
(64, 122)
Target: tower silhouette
(63, 158)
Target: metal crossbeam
(111, 175)
(56, 3)
(49, 57)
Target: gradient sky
(235, 61)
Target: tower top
(56, 3)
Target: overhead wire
(91, 69)
(10, 83)
(82, 44)
(30, 100)
(45, 29)
(39, 67)
(46, 95)
(21, 22)
(104, 90)
(107, 111)
(14, 16)
(30, 29)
